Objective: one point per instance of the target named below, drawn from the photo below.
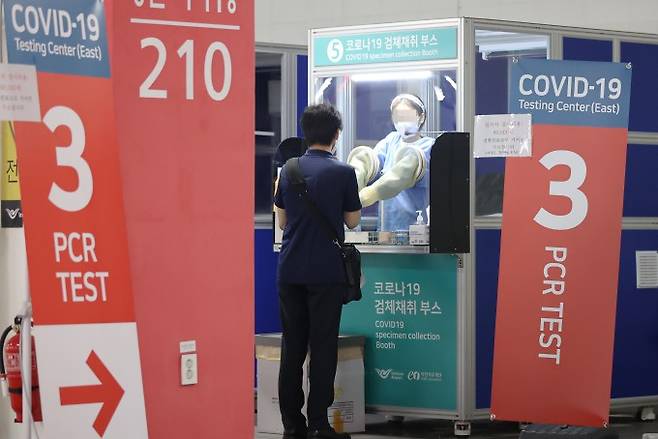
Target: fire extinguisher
(10, 372)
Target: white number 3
(70, 156)
(569, 188)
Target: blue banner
(577, 93)
(58, 37)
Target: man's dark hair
(320, 123)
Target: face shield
(408, 115)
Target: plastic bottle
(419, 233)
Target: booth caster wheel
(462, 429)
(647, 414)
(395, 419)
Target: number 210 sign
(560, 244)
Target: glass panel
(268, 125)
(364, 100)
(326, 89)
(494, 50)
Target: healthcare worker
(396, 170)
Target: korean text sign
(385, 47)
(11, 214)
(503, 135)
(560, 244)
(409, 318)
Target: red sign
(559, 259)
(184, 83)
(77, 250)
(558, 288)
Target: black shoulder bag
(350, 255)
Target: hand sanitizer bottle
(419, 233)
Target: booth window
(495, 50)
(364, 99)
(268, 125)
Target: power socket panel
(189, 373)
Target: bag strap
(294, 172)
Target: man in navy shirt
(311, 275)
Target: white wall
(287, 21)
(13, 290)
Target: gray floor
(378, 428)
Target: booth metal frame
(289, 55)
(466, 269)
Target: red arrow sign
(108, 392)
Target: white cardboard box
(347, 414)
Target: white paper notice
(503, 135)
(646, 263)
(19, 93)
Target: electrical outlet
(188, 370)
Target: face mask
(407, 129)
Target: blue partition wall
(641, 190)
(644, 92)
(586, 50)
(267, 296)
(636, 340)
(487, 252)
